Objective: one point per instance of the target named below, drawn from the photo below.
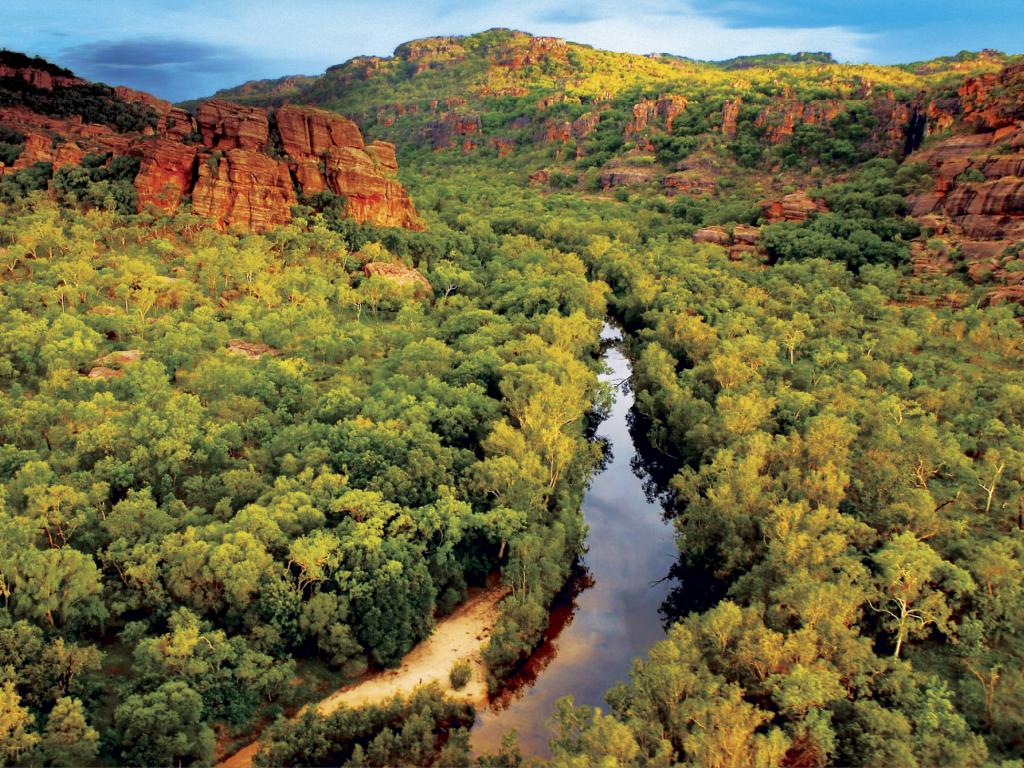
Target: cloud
(578, 15)
(161, 65)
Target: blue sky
(180, 49)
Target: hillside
(265, 424)
(236, 166)
(720, 143)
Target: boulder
(399, 274)
(796, 206)
(251, 349)
(714, 234)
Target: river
(609, 613)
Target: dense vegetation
(188, 531)
(95, 102)
(850, 451)
(236, 471)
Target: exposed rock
(307, 131)
(371, 195)
(746, 234)
(120, 358)
(714, 234)
(383, 153)
(994, 100)
(102, 372)
(504, 145)
(225, 125)
(796, 206)
(251, 349)
(730, 116)
(166, 173)
(39, 148)
(400, 274)
(244, 187)
(626, 175)
(695, 183)
(540, 177)
(647, 111)
(524, 50)
(584, 125)
(780, 118)
(39, 78)
(441, 133)
(739, 251)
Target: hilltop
(746, 141)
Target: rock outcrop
(239, 165)
(225, 125)
(166, 173)
(400, 275)
(796, 206)
(977, 199)
(327, 152)
(244, 187)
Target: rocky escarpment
(237, 165)
(976, 202)
(327, 152)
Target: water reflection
(612, 609)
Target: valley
(688, 390)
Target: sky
(181, 49)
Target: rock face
(399, 274)
(665, 109)
(616, 175)
(977, 200)
(730, 116)
(714, 234)
(165, 173)
(796, 206)
(228, 126)
(226, 159)
(244, 187)
(309, 132)
(327, 153)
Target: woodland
(238, 469)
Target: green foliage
(320, 502)
(866, 222)
(400, 731)
(11, 145)
(460, 674)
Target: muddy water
(609, 613)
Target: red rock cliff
(224, 158)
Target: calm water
(609, 613)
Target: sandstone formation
(224, 125)
(796, 206)
(714, 234)
(399, 274)
(622, 175)
(246, 188)
(166, 173)
(251, 349)
(226, 159)
(977, 200)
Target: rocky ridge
(237, 165)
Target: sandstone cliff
(237, 165)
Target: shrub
(461, 674)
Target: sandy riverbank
(460, 635)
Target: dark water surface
(610, 612)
